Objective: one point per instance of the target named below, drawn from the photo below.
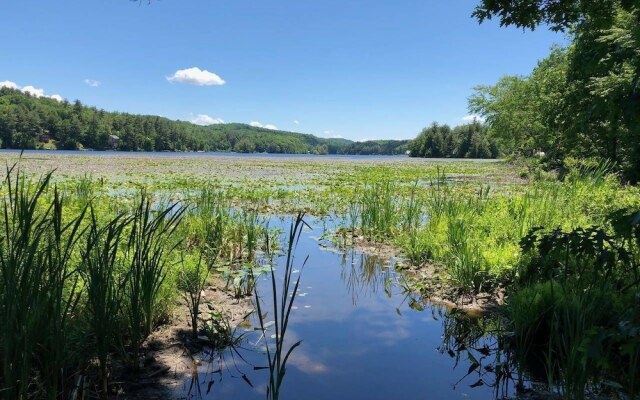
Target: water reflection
(476, 340)
(363, 338)
(365, 275)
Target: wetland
(211, 276)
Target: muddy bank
(171, 353)
(432, 281)
(434, 285)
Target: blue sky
(355, 69)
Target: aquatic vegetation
(378, 210)
(576, 308)
(104, 285)
(281, 310)
(124, 245)
(218, 331)
(192, 279)
(39, 292)
(147, 249)
(478, 340)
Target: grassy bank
(117, 239)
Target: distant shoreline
(198, 154)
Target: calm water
(362, 338)
(235, 155)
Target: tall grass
(475, 233)
(463, 259)
(210, 218)
(82, 279)
(413, 210)
(39, 291)
(83, 190)
(252, 227)
(147, 250)
(378, 216)
(104, 285)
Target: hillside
(28, 122)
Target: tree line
(29, 122)
(464, 141)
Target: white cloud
(9, 84)
(196, 76)
(473, 117)
(203, 119)
(261, 125)
(92, 82)
(332, 135)
(295, 121)
(29, 89)
(33, 91)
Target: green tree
(583, 101)
(464, 141)
(523, 113)
(560, 15)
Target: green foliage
(575, 305)
(521, 112)
(471, 233)
(39, 290)
(464, 260)
(378, 211)
(465, 141)
(604, 78)
(581, 101)
(476, 235)
(558, 14)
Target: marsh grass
(253, 228)
(413, 210)
(378, 216)
(210, 218)
(39, 291)
(104, 286)
(147, 250)
(85, 277)
(464, 259)
(192, 280)
(282, 304)
(475, 233)
(472, 232)
(84, 190)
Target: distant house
(113, 140)
(44, 138)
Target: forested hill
(28, 122)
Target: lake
(363, 337)
(237, 155)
